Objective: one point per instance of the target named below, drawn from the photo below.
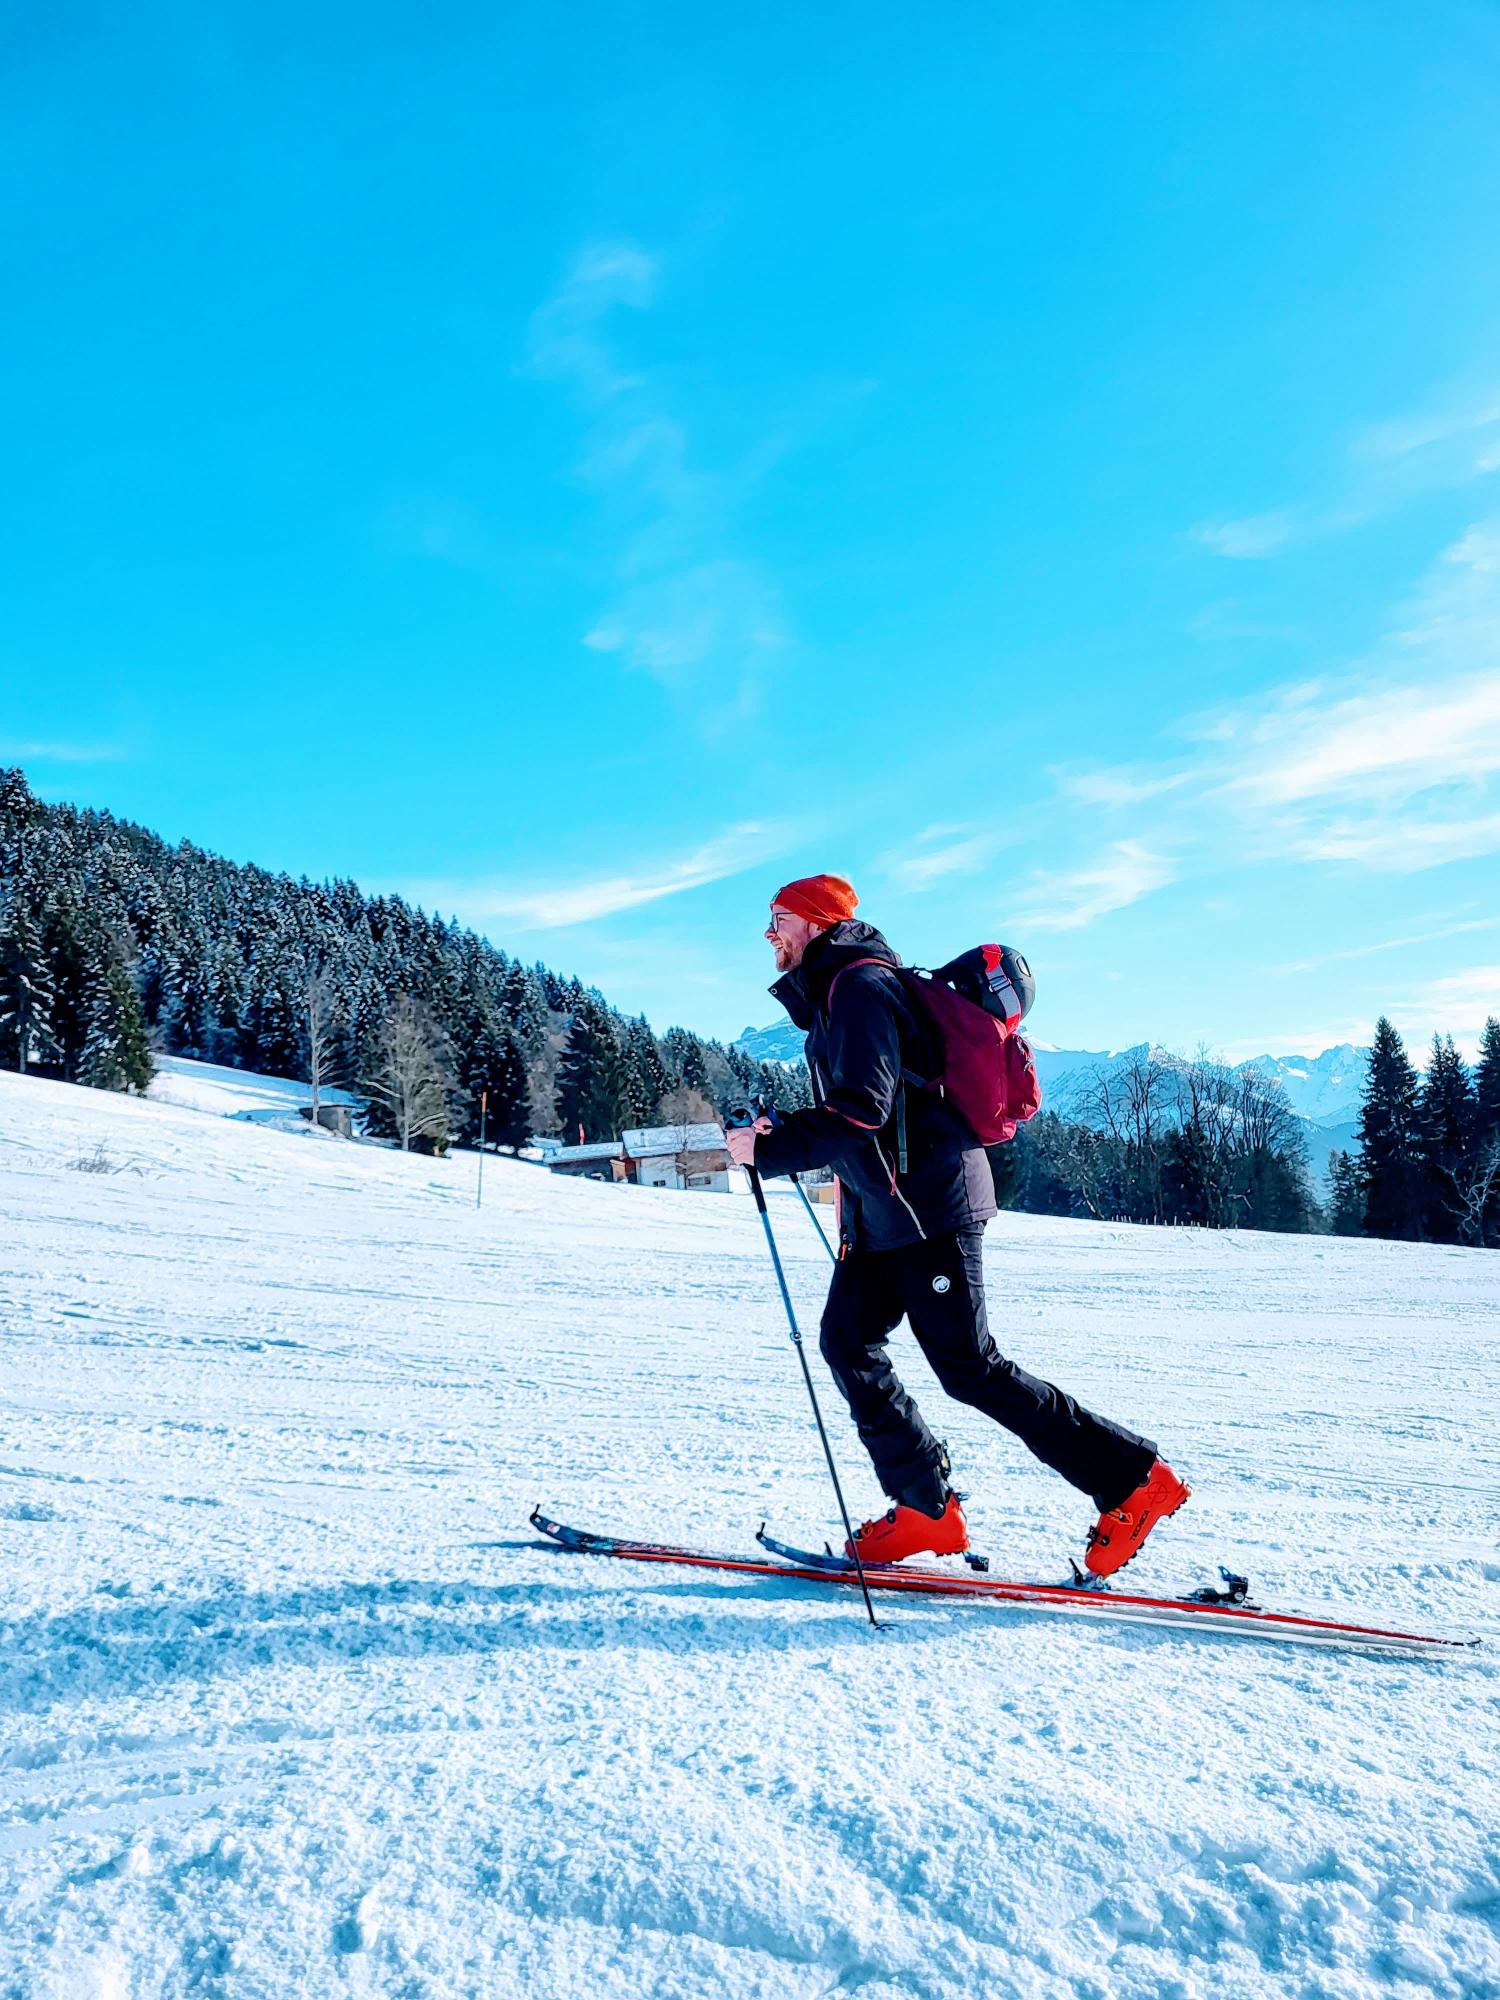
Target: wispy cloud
(554, 905)
(30, 750)
(1458, 1005)
(1405, 848)
(1455, 439)
(1390, 743)
(1118, 785)
(690, 605)
(673, 626)
(1390, 764)
(566, 332)
(1067, 899)
(1254, 536)
(1467, 425)
(938, 851)
(1411, 943)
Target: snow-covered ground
(292, 1704)
(231, 1093)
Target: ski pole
(812, 1395)
(813, 1218)
(759, 1108)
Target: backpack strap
(901, 1152)
(833, 983)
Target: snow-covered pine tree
(116, 1051)
(1390, 1166)
(645, 1075)
(744, 1069)
(223, 987)
(363, 1011)
(65, 939)
(497, 1067)
(1483, 1203)
(724, 1086)
(20, 810)
(590, 1077)
(523, 1003)
(270, 1027)
(27, 993)
(1346, 1207)
(1445, 1114)
(684, 1060)
(789, 1084)
(186, 1011)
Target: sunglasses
(778, 917)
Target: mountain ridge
(1324, 1090)
(1321, 1088)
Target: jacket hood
(803, 990)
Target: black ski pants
(938, 1285)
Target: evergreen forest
(116, 946)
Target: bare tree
(413, 1080)
(686, 1106)
(1086, 1170)
(1264, 1119)
(320, 1013)
(1477, 1193)
(1207, 1097)
(684, 1109)
(1131, 1099)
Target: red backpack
(976, 1003)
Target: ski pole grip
(741, 1116)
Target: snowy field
(291, 1703)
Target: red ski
(1202, 1614)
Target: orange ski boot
(1117, 1535)
(907, 1531)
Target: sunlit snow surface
(291, 1704)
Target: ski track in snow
(291, 1702)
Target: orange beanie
(822, 899)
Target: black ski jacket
(858, 1046)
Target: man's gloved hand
(740, 1140)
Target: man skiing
(915, 1193)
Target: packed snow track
(293, 1703)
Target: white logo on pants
(940, 1284)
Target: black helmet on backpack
(995, 977)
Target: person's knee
(977, 1379)
(962, 1384)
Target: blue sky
(1043, 463)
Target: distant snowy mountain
(1322, 1087)
(783, 1043)
(1323, 1090)
(779, 1043)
